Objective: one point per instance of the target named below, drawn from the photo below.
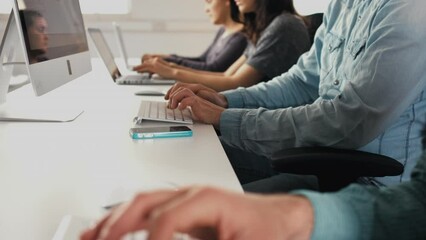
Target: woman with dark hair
(266, 11)
(227, 46)
(36, 39)
(277, 34)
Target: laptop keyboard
(158, 111)
(136, 79)
(143, 79)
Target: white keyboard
(158, 111)
(71, 227)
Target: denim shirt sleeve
(390, 74)
(361, 212)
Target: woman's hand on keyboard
(209, 213)
(156, 65)
(201, 91)
(202, 110)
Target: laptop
(123, 52)
(129, 78)
(120, 44)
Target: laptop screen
(104, 52)
(120, 41)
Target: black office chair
(335, 168)
(314, 21)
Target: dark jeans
(256, 174)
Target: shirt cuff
(230, 124)
(334, 218)
(234, 97)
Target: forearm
(196, 71)
(178, 59)
(196, 65)
(294, 216)
(264, 131)
(191, 63)
(334, 123)
(216, 81)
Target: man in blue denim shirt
(361, 86)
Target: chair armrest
(324, 161)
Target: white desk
(48, 170)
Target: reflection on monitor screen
(34, 27)
(55, 33)
(54, 37)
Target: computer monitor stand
(22, 108)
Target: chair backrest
(314, 20)
(334, 168)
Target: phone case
(161, 134)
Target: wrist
(298, 216)
(223, 101)
(175, 73)
(216, 122)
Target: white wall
(306, 7)
(166, 26)
(160, 26)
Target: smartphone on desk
(160, 132)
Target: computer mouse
(149, 93)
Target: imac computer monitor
(48, 38)
(54, 39)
